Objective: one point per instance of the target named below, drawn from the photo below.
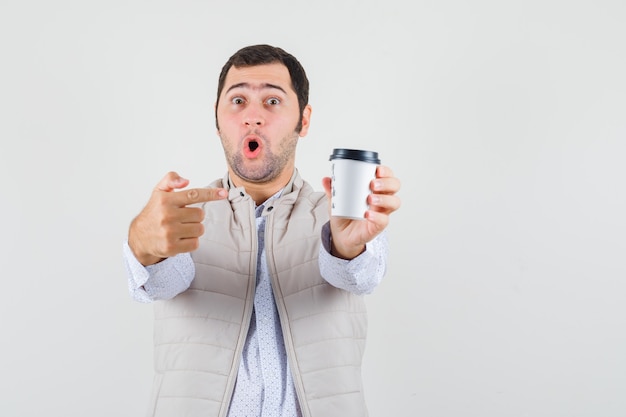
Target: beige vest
(199, 335)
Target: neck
(260, 192)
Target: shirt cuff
(163, 280)
(360, 275)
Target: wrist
(142, 257)
(345, 252)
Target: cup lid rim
(355, 154)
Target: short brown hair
(253, 55)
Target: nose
(253, 116)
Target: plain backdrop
(505, 120)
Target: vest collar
(288, 196)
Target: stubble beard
(272, 164)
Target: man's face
(257, 114)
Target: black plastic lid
(356, 154)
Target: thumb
(172, 181)
(327, 184)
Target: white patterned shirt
(264, 386)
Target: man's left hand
(349, 236)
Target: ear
(217, 125)
(306, 120)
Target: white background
(505, 120)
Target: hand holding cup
(371, 189)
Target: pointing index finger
(198, 195)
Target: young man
(259, 293)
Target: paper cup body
(352, 171)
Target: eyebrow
(261, 87)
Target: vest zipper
(243, 334)
(284, 322)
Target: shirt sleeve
(161, 281)
(360, 275)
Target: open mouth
(252, 147)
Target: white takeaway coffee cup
(352, 171)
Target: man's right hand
(166, 226)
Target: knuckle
(169, 247)
(165, 233)
(164, 221)
(193, 195)
(169, 236)
(198, 213)
(162, 249)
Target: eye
(272, 101)
(237, 100)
